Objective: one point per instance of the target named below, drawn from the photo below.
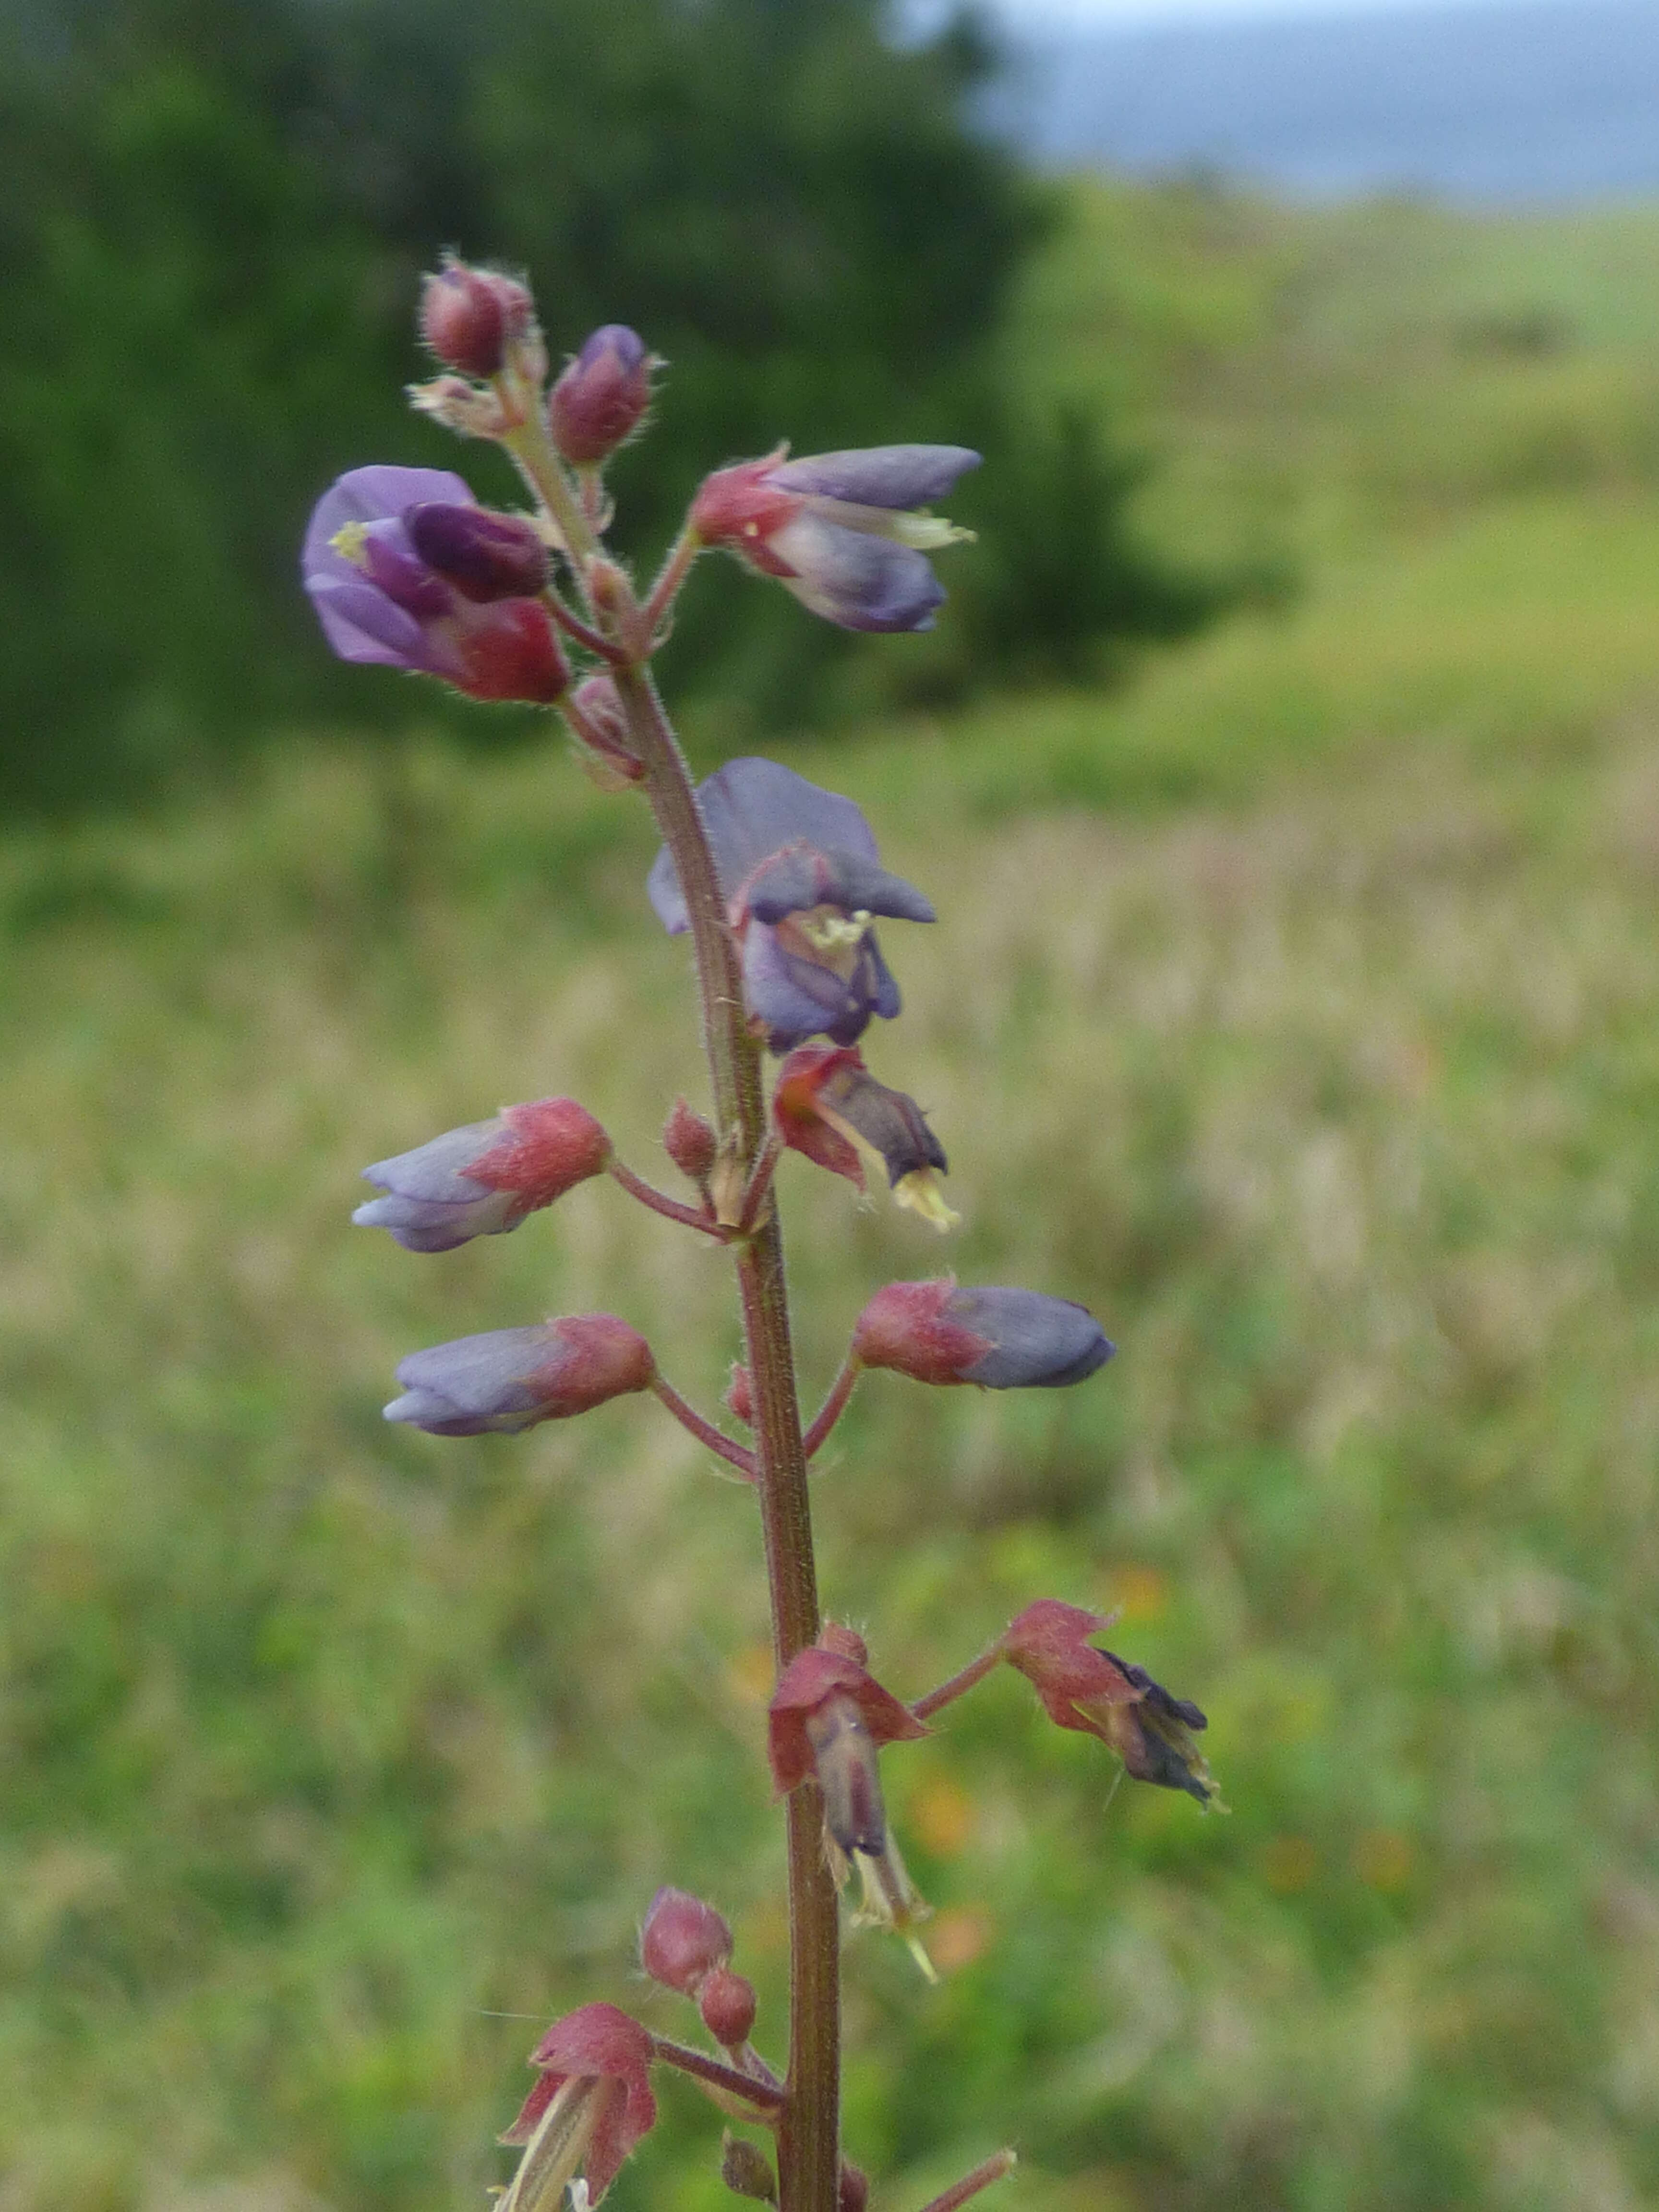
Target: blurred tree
(219, 214)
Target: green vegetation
(1295, 1006)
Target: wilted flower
(840, 530)
(829, 1718)
(1085, 1687)
(484, 1179)
(601, 397)
(1004, 1339)
(508, 1379)
(827, 1104)
(803, 880)
(380, 600)
(591, 2106)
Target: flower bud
(1004, 1339)
(726, 2002)
(853, 2189)
(601, 397)
(594, 712)
(740, 1396)
(746, 2170)
(508, 1379)
(485, 556)
(689, 1142)
(470, 316)
(681, 1940)
(484, 1179)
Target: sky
(1103, 14)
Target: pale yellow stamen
(350, 542)
(920, 1192)
(827, 929)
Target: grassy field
(1297, 1007)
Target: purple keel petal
(855, 580)
(1037, 1342)
(878, 475)
(362, 624)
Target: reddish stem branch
(975, 1671)
(834, 1405)
(993, 2169)
(573, 627)
(672, 1209)
(766, 2097)
(738, 1455)
(675, 569)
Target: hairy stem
(809, 2124)
(959, 1683)
(766, 2098)
(706, 1433)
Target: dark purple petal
(752, 808)
(1037, 1342)
(377, 494)
(1157, 1698)
(801, 877)
(876, 981)
(486, 557)
(878, 475)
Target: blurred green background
(1295, 1004)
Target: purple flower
(801, 875)
(379, 600)
(484, 1179)
(508, 1379)
(1003, 1340)
(841, 531)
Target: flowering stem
(705, 1432)
(766, 2097)
(993, 2169)
(809, 2124)
(835, 1405)
(672, 1209)
(975, 1671)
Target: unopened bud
(1004, 1339)
(740, 1396)
(682, 1939)
(594, 712)
(726, 2002)
(746, 2170)
(483, 555)
(853, 2189)
(470, 316)
(690, 1141)
(508, 1379)
(601, 397)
